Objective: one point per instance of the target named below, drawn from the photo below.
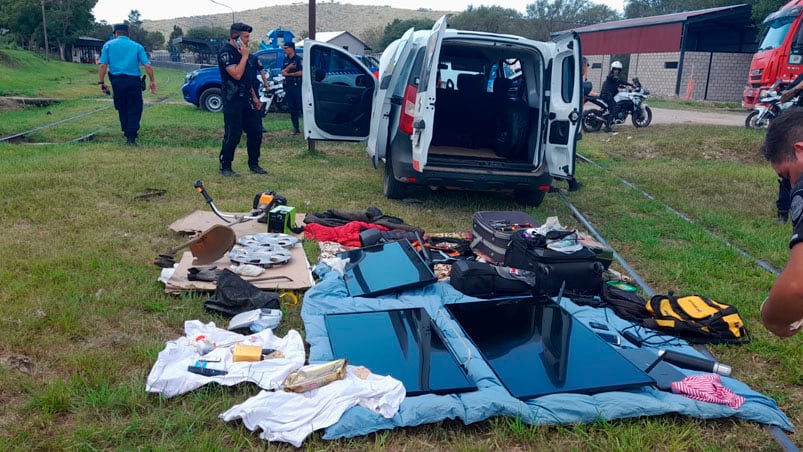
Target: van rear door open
(380, 117)
(424, 119)
(564, 106)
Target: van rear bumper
(472, 174)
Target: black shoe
(783, 217)
(257, 169)
(228, 172)
(575, 185)
(296, 131)
(131, 142)
(608, 128)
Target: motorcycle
(768, 108)
(630, 102)
(273, 96)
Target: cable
(761, 263)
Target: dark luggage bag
(492, 230)
(484, 280)
(581, 270)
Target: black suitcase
(484, 280)
(492, 230)
(581, 271)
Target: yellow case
(247, 353)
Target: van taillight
(408, 110)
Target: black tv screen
(402, 343)
(385, 268)
(536, 348)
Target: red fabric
(348, 234)
(707, 388)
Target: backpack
(697, 319)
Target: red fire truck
(780, 54)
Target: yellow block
(247, 353)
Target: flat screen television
(536, 348)
(402, 343)
(385, 268)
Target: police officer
(292, 72)
(240, 102)
(120, 58)
(609, 89)
(782, 311)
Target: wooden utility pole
(44, 28)
(311, 25)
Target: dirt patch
(8, 104)
(19, 363)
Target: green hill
(359, 20)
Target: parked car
(456, 135)
(202, 86)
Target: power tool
(265, 202)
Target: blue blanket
(492, 399)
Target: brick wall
(724, 82)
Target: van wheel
(393, 189)
(212, 100)
(532, 198)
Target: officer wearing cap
(241, 104)
(120, 58)
(782, 311)
(292, 72)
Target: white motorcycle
(768, 108)
(631, 102)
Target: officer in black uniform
(610, 87)
(292, 72)
(782, 311)
(240, 102)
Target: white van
(505, 117)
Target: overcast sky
(114, 11)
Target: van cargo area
(483, 107)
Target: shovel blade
(212, 244)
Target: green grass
(84, 319)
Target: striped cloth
(707, 388)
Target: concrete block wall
(724, 81)
(651, 69)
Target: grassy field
(83, 317)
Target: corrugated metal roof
(655, 20)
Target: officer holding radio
(292, 72)
(240, 101)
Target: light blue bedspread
(492, 399)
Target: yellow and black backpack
(697, 319)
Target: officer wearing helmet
(609, 89)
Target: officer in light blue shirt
(120, 58)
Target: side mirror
(359, 80)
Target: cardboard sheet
(294, 275)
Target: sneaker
(575, 185)
(783, 217)
(228, 172)
(257, 169)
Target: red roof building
(700, 55)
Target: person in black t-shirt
(240, 102)
(782, 311)
(292, 72)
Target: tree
(396, 29)
(492, 19)
(208, 33)
(560, 15)
(645, 8)
(176, 33)
(67, 20)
